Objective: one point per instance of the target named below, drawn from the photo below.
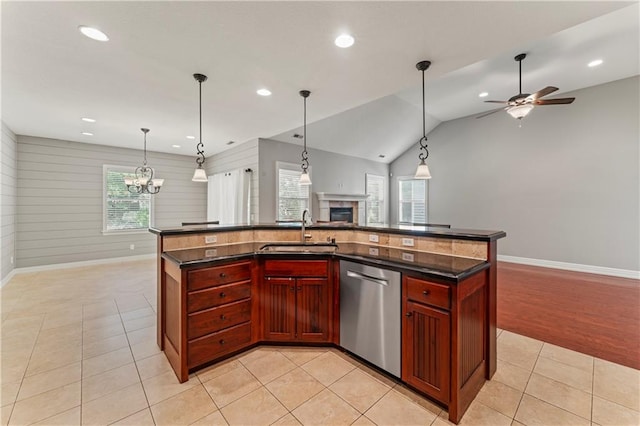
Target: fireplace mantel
(327, 200)
(326, 196)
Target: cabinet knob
(222, 317)
(222, 342)
(299, 288)
(223, 294)
(426, 292)
(292, 288)
(223, 275)
(408, 314)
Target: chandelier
(144, 183)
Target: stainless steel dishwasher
(370, 314)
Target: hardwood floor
(594, 314)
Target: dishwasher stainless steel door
(370, 314)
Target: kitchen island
(220, 291)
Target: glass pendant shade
(199, 175)
(520, 111)
(422, 172)
(304, 178)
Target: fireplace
(341, 214)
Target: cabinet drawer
(297, 268)
(214, 345)
(208, 277)
(216, 296)
(215, 319)
(427, 292)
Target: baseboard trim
(577, 267)
(75, 265)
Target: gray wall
(564, 186)
(244, 156)
(8, 170)
(60, 200)
(331, 172)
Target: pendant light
(200, 175)
(144, 183)
(304, 177)
(422, 172)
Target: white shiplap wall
(60, 200)
(243, 156)
(8, 166)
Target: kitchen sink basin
(300, 247)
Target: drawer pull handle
(222, 342)
(408, 314)
(223, 294)
(426, 292)
(222, 317)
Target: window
(375, 202)
(413, 200)
(293, 198)
(123, 211)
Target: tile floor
(78, 347)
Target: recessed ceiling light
(595, 63)
(87, 133)
(231, 142)
(191, 137)
(93, 33)
(344, 40)
(381, 155)
(175, 146)
(483, 94)
(88, 120)
(263, 92)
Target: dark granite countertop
(450, 268)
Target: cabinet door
(279, 321)
(312, 313)
(425, 352)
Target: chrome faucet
(303, 236)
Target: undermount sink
(301, 247)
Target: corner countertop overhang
(433, 232)
(449, 268)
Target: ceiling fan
(521, 104)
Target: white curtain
(228, 197)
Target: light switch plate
(210, 239)
(408, 242)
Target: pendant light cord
(520, 76)
(424, 152)
(145, 147)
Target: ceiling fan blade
(490, 112)
(557, 101)
(541, 93)
(498, 102)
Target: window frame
(121, 169)
(381, 207)
(426, 199)
(292, 167)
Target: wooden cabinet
(297, 300)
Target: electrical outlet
(408, 242)
(210, 239)
(373, 251)
(211, 253)
(132, 246)
(408, 257)
(373, 238)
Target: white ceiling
(52, 75)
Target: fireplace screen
(341, 214)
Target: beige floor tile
(257, 408)
(153, 366)
(114, 406)
(42, 361)
(139, 323)
(105, 362)
(572, 376)
(607, 413)
(59, 319)
(14, 367)
(99, 309)
(500, 397)
(417, 399)
(396, 409)
(269, 366)
(387, 380)
(479, 414)
(567, 356)
(294, 388)
(68, 418)
(512, 375)
(184, 408)
(138, 313)
(561, 395)
(218, 369)
(101, 347)
(166, 385)
(363, 421)
(101, 322)
(52, 379)
(213, 419)
(9, 392)
(141, 418)
(327, 368)
(145, 349)
(617, 383)
(230, 386)
(90, 336)
(142, 335)
(359, 389)
(301, 356)
(326, 408)
(5, 413)
(534, 412)
(45, 405)
(131, 303)
(518, 350)
(110, 381)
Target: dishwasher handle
(365, 277)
